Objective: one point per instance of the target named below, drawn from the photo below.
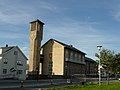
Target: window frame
(5, 60)
(4, 71)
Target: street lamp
(99, 48)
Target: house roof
(37, 20)
(12, 48)
(65, 45)
(89, 59)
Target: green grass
(93, 86)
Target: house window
(50, 67)
(0, 58)
(15, 52)
(19, 63)
(0, 51)
(71, 55)
(19, 71)
(5, 61)
(4, 71)
(80, 57)
(76, 56)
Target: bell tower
(36, 35)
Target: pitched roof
(12, 48)
(65, 45)
(89, 59)
(37, 20)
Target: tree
(106, 58)
(116, 63)
(109, 61)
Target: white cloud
(20, 12)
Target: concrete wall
(58, 59)
(47, 49)
(53, 58)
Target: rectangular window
(0, 51)
(4, 71)
(15, 52)
(19, 63)
(0, 58)
(33, 26)
(71, 56)
(76, 56)
(80, 57)
(5, 61)
(50, 67)
(19, 71)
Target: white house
(13, 63)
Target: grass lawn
(104, 86)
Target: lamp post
(99, 66)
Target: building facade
(91, 67)
(62, 59)
(13, 63)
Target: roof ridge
(8, 50)
(69, 46)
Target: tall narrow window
(66, 55)
(15, 52)
(76, 56)
(71, 55)
(50, 67)
(80, 57)
(5, 61)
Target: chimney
(71, 45)
(6, 45)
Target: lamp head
(99, 47)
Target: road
(40, 84)
(7, 84)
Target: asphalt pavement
(41, 84)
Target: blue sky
(81, 23)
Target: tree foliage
(109, 60)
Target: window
(4, 71)
(76, 56)
(71, 55)
(0, 58)
(0, 51)
(5, 61)
(80, 57)
(66, 53)
(19, 71)
(33, 26)
(19, 63)
(15, 52)
(50, 67)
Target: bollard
(83, 83)
(21, 83)
(51, 82)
